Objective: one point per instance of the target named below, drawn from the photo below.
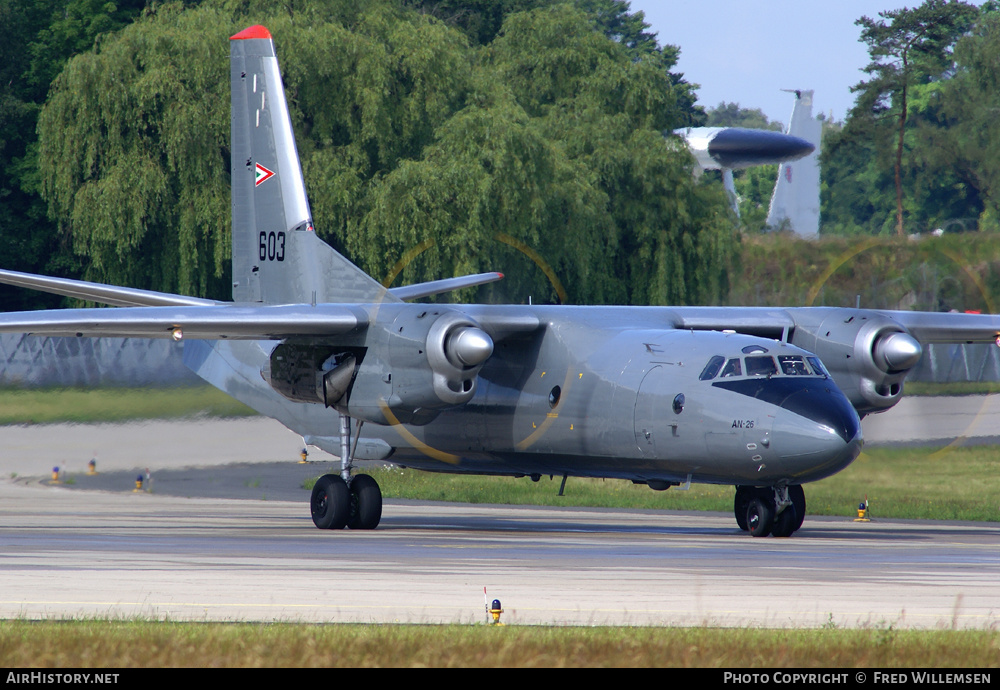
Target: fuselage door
(651, 407)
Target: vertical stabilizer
(795, 201)
(277, 258)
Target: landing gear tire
(740, 505)
(365, 504)
(798, 498)
(331, 502)
(760, 515)
(785, 522)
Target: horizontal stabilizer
(436, 287)
(198, 322)
(99, 292)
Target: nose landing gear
(777, 511)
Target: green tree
(907, 47)
(134, 153)
(732, 115)
(48, 33)
(560, 146)
(965, 137)
(479, 20)
(412, 135)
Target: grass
(144, 644)
(955, 483)
(955, 388)
(908, 483)
(91, 405)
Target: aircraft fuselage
(605, 392)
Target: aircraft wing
(212, 322)
(766, 322)
(770, 322)
(99, 292)
(948, 327)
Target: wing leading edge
(150, 314)
(772, 322)
(216, 322)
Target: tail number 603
(272, 246)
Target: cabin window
(712, 368)
(554, 395)
(678, 403)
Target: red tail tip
(256, 31)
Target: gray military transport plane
(765, 399)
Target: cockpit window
(733, 368)
(761, 365)
(793, 365)
(712, 368)
(818, 366)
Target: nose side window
(817, 365)
(712, 368)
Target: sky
(746, 51)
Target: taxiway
(67, 552)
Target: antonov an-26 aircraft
(765, 399)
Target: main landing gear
(340, 501)
(777, 511)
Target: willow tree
(539, 154)
(134, 153)
(671, 239)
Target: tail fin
(277, 258)
(795, 201)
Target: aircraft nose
(735, 147)
(816, 433)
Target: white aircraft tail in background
(795, 201)
(736, 148)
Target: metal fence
(34, 362)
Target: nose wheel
(777, 511)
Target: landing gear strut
(340, 501)
(778, 511)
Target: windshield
(762, 365)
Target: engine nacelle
(868, 355)
(435, 357)
(311, 373)
(431, 362)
